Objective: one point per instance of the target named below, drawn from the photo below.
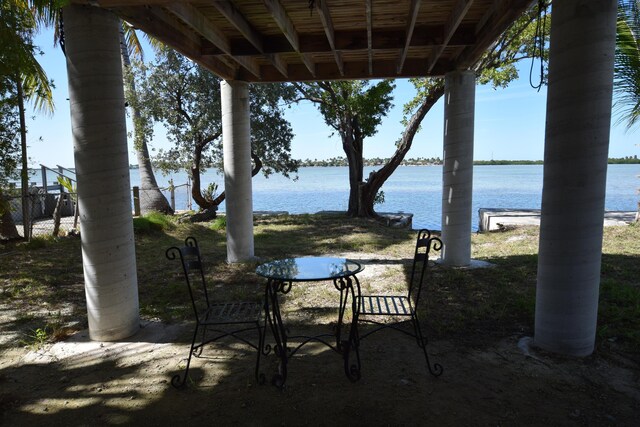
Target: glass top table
(308, 269)
(280, 275)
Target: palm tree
(48, 14)
(627, 67)
(100, 146)
(30, 82)
(151, 198)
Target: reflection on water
(312, 268)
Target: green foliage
(185, 97)
(351, 105)
(9, 132)
(36, 338)
(497, 66)
(211, 190)
(379, 199)
(18, 23)
(220, 223)
(627, 64)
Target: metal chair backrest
(193, 270)
(425, 244)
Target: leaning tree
(151, 198)
(355, 109)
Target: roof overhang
(302, 40)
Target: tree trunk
(24, 173)
(196, 190)
(257, 166)
(57, 215)
(151, 198)
(376, 179)
(94, 70)
(352, 142)
(8, 230)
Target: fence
(47, 213)
(55, 213)
(179, 197)
(51, 209)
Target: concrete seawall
(491, 219)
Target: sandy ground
(487, 380)
(81, 382)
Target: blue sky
(509, 124)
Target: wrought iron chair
(223, 319)
(397, 310)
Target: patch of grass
(154, 221)
(35, 243)
(458, 304)
(619, 312)
(36, 339)
(220, 223)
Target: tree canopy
(186, 98)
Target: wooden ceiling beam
(369, 12)
(455, 18)
(423, 36)
(126, 3)
(199, 23)
(327, 23)
(233, 15)
(155, 22)
(286, 26)
(237, 19)
(501, 15)
(411, 23)
(284, 22)
(413, 67)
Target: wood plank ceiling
(302, 40)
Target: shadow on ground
(79, 382)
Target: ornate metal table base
(348, 286)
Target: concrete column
(102, 168)
(457, 170)
(575, 171)
(236, 142)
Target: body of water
(412, 189)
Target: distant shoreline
(342, 162)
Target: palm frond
(627, 64)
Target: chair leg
(197, 351)
(260, 378)
(353, 344)
(176, 381)
(436, 369)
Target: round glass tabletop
(307, 269)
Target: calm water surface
(414, 189)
